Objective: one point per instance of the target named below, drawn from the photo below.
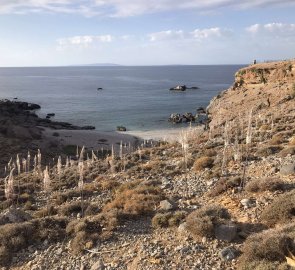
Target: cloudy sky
(145, 32)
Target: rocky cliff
(268, 89)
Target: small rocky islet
(222, 198)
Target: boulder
(14, 215)
(175, 118)
(188, 117)
(226, 232)
(166, 205)
(288, 169)
(228, 253)
(179, 88)
(99, 265)
(121, 128)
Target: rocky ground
(223, 199)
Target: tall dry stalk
(183, 140)
(81, 184)
(18, 164)
(39, 160)
(46, 186)
(248, 144)
(9, 186)
(28, 161)
(59, 171)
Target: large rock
(228, 254)
(288, 169)
(226, 232)
(14, 215)
(99, 265)
(165, 205)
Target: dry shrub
(49, 210)
(267, 247)
(203, 163)
(210, 153)
(288, 151)
(224, 184)
(135, 198)
(63, 197)
(264, 127)
(86, 232)
(265, 184)
(276, 140)
(267, 151)
(280, 211)
(72, 208)
(17, 236)
(203, 221)
(91, 210)
(164, 220)
(108, 184)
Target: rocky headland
(220, 199)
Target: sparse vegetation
(203, 163)
(280, 211)
(203, 221)
(265, 184)
(268, 249)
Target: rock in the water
(166, 205)
(179, 88)
(188, 117)
(226, 232)
(175, 118)
(99, 265)
(228, 254)
(121, 128)
(288, 169)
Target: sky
(145, 32)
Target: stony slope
(223, 199)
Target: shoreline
(96, 140)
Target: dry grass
(276, 139)
(280, 211)
(268, 150)
(164, 220)
(88, 231)
(268, 249)
(135, 198)
(203, 163)
(72, 208)
(288, 151)
(224, 184)
(265, 184)
(203, 221)
(17, 236)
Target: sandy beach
(96, 140)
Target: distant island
(99, 65)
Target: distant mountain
(100, 65)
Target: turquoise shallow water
(135, 97)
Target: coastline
(96, 140)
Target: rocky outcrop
(264, 89)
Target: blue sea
(135, 97)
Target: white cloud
(124, 8)
(197, 34)
(166, 35)
(273, 30)
(83, 41)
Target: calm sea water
(135, 97)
